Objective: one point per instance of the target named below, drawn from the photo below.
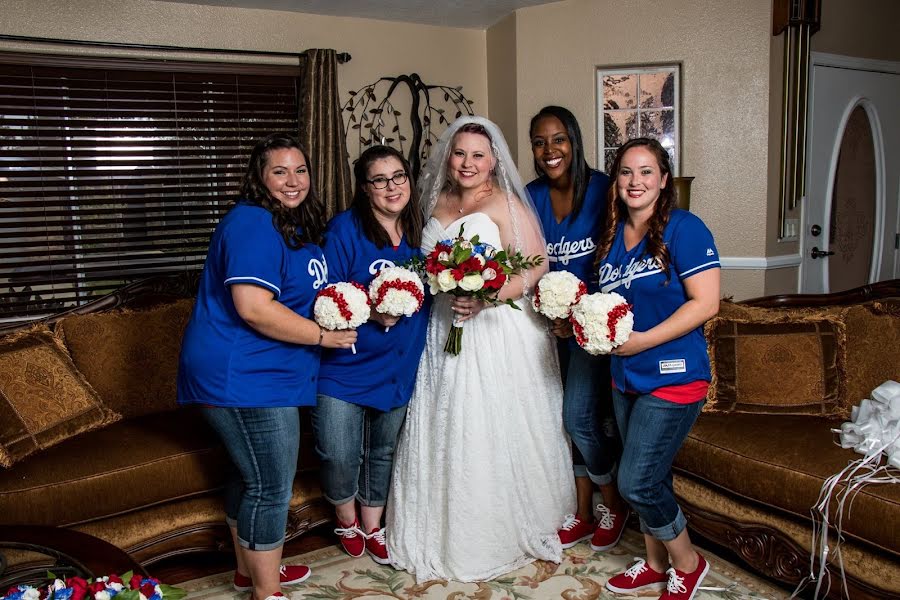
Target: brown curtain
(322, 130)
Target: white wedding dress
(482, 473)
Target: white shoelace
(570, 522)
(636, 569)
(378, 536)
(349, 532)
(675, 585)
(607, 518)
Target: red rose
(76, 582)
(135, 582)
(97, 586)
(115, 579)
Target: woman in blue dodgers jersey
(571, 201)
(250, 353)
(363, 396)
(664, 262)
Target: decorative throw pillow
(130, 356)
(788, 366)
(43, 398)
(873, 343)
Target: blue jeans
(356, 447)
(263, 444)
(586, 405)
(653, 431)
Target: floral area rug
(581, 576)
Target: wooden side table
(71, 553)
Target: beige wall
(443, 55)
(863, 28)
(502, 78)
(724, 50)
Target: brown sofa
(93, 440)
(786, 370)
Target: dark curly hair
(579, 170)
(618, 212)
(301, 225)
(410, 217)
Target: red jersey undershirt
(687, 393)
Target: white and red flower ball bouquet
(342, 305)
(396, 291)
(556, 293)
(602, 322)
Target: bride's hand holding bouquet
(475, 272)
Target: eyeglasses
(379, 183)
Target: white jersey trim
(256, 280)
(689, 271)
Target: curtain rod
(342, 57)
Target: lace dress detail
(482, 471)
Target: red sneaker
(352, 538)
(376, 547)
(290, 574)
(574, 530)
(683, 586)
(638, 577)
(609, 528)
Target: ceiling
(472, 14)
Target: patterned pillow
(44, 400)
(873, 344)
(130, 356)
(790, 366)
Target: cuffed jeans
(263, 444)
(596, 448)
(653, 431)
(355, 445)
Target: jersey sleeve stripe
(709, 265)
(255, 281)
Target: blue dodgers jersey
(224, 361)
(638, 278)
(382, 372)
(572, 243)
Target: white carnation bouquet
(556, 293)
(602, 322)
(342, 305)
(396, 291)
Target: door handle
(816, 253)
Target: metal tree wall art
(373, 115)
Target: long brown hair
(411, 219)
(618, 212)
(300, 225)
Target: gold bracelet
(321, 335)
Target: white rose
(489, 274)
(471, 282)
(102, 595)
(34, 594)
(446, 281)
(444, 256)
(433, 284)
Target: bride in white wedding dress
(482, 470)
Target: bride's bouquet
(602, 322)
(343, 305)
(468, 267)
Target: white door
(838, 87)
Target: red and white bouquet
(602, 322)
(468, 267)
(556, 293)
(342, 305)
(396, 291)
(127, 587)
